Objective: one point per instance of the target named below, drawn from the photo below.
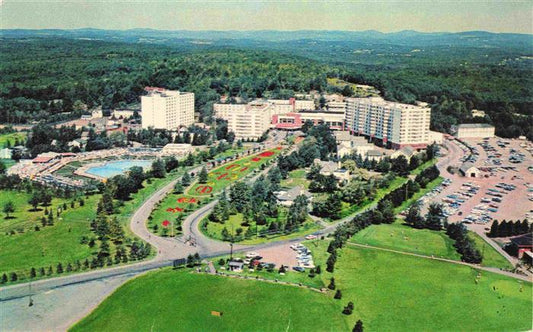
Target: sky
(354, 15)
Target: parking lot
(503, 191)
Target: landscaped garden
(166, 219)
(221, 177)
(193, 302)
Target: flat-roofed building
(475, 130)
(394, 123)
(283, 106)
(336, 106)
(176, 149)
(295, 121)
(245, 120)
(166, 109)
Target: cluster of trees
(432, 220)
(398, 165)
(509, 228)
(463, 244)
(88, 79)
(258, 204)
(319, 144)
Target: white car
(252, 254)
(310, 237)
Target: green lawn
(400, 237)
(490, 256)
(296, 178)
(404, 238)
(394, 292)
(51, 244)
(223, 176)
(170, 300)
(21, 136)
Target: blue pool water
(112, 168)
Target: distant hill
(406, 37)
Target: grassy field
(171, 300)
(404, 238)
(21, 136)
(296, 178)
(223, 176)
(50, 245)
(490, 256)
(400, 237)
(394, 292)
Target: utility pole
(31, 300)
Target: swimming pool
(112, 168)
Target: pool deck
(83, 170)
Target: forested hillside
(45, 78)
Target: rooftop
(475, 125)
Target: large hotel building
(245, 120)
(394, 123)
(166, 109)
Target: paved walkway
(478, 267)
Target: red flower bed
(222, 176)
(267, 154)
(204, 189)
(232, 166)
(165, 223)
(182, 200)
(256, 159)
(244, 169)
(279, 148)
(192, 200)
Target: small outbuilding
(235, 266)
(469, 170)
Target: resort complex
(189, 180)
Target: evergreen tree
(202, 176)
(338, 295)
(331, 283)
(494, 229)
(33, 273)
(186, 179)
(358, 326)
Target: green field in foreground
(397, 236)
(170, 300)
(395, 292)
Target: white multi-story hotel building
(395, 123)
(165, 109)
(245, 120)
